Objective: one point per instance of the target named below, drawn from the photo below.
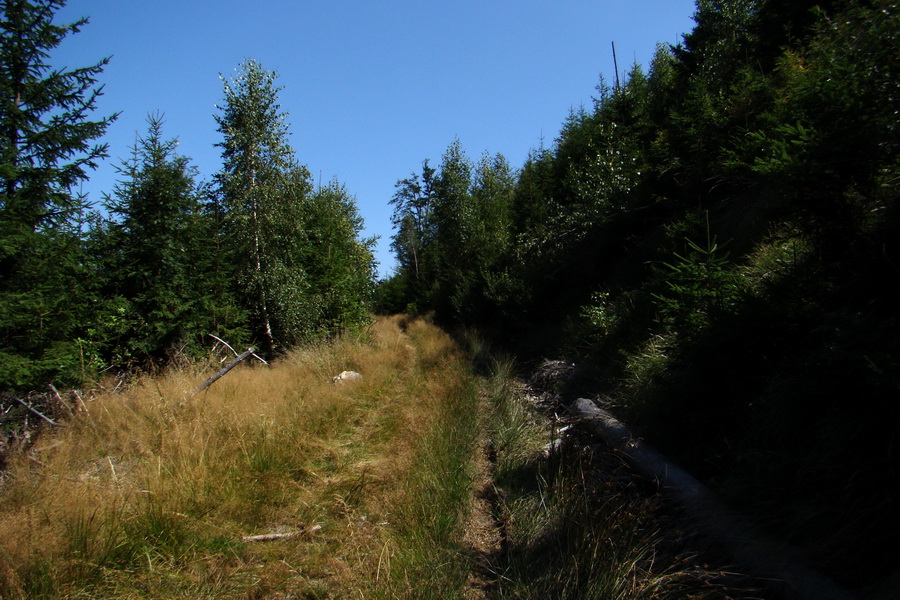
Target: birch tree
(264, 191)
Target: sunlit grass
(150, 492)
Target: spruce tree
(455, 223)
(46, 148)
(156, 248)
(413, 204)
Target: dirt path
(484, 540)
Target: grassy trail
(369, 482)
(419, 481)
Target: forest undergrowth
(578, 522)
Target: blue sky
(371, 88)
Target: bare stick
(78, 397)
(269, 537)
(221, 373)
(224, 343)
(60, 400)
(227, 345)
(83, 408)
(28, 406)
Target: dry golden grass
(144, 497)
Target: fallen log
(36, 412)
(765, 558)
(223, 371)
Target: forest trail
(273, 483)
(419, 479)
(485, 536)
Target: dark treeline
(256, 255)
(715, 243)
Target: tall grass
(141, 497)
(427, 562)
(148, 496)
(421, 555)
(579, 525)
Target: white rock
(346, 376)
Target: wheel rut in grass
(485, 538)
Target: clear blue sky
(372, 88)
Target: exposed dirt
(485, 537)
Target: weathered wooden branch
(224, 343)
(80, 400)
(227, 345)
(59, 399)
(28, 406)
(270, 537)
(248, 352)
(767, 559)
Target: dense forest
(257, 254)
(714, 244)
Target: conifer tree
(413, 205)
(156, 247)
(46, 148)
(454, 223)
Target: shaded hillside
(715, 244)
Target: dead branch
(221, 373)
(59, 399)
(227, 345)
(28, 406)
(80, 400)
(270, 537)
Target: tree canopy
(714, 243)
(256, 255)
(46, 148)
